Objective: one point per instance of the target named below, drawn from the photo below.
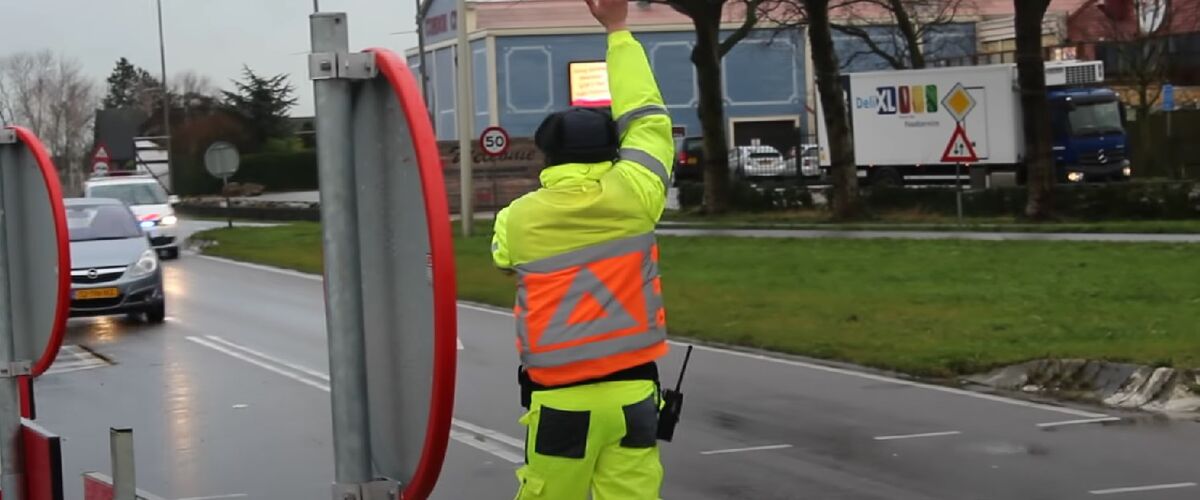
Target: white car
(758, 161)
(149, 203)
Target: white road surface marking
(72, 358)
(1079, 422)
(743, 450)
(496, 443)
(917, 436)
(1138, 489)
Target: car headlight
(146, 264)
(169, 220)
(147, 224)
(1075, 176)
(1127, 171)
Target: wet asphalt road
(228, 400)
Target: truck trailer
(907, 123)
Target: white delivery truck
(905, 123)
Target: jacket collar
(570, 174)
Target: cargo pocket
(641, 424)
(530, 484)
(562, 433)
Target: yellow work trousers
(598, 438)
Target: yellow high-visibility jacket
(581, 205)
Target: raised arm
(647, 147)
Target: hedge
(1125, 200)
(296, 171)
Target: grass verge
(920, 221)
(928, 308)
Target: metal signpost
(221, 159)
(34, 283)
(959, 150)
(389, 270)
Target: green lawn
(930, 308)
(917, 221)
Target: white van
(149, 203)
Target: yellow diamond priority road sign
(958, 102)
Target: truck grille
(1102, 157)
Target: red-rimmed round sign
(39, 252)
(414, 271)
(494, 141)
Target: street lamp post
(166, 95)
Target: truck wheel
(887, 177)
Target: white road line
(742, 450)
(1137, 489)
(488, 433)
(260, 267)
(260, 364)
(217, 497)
(487, 446)
(471, 435)
(1079, 422)
(760, 357)
(917, 436)
(273, 359)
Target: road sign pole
(466, 122)
(340, 235)
(958, 190)
(228, 205)
(12, 482)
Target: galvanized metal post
(343, 286)
(120, 448)
(466, 121)
(166, 97)
(12, 481)
(958, 192)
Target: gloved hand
(611, 13)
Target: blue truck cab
(1090, 143)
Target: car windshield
(101, 222)
(1096, 118)
(132, 194)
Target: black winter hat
(578, 135)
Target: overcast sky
(211, 37)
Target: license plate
(97, 293)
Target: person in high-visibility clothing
(589, 311)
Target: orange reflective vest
(591, 312)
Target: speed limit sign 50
(494, 141)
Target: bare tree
(50, 95)
(707, 56)
(846, 203)
(1031, 77)
(907, 26)
(193, 93)
(815, 17)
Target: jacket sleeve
(647, 147)
(500, 255)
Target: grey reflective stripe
(651, 163)
(648, 110)
(593, 350)
(641, 242)
(522, 312)
(584, 284)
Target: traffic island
(1119, 385)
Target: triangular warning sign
(959, 150)
(101, 154)
(588, 309)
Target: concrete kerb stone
(1117, 385)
